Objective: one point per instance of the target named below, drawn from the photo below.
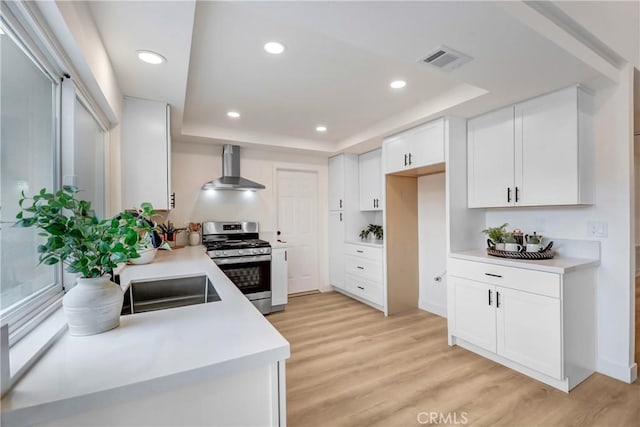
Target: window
(89, 157)
(29, 99)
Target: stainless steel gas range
(243, 257)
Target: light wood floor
(350, 366)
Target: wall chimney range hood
(231, 179)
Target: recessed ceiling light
(398, 84)
(274, 48)
(233, 114)
(321, 128)
(151, 57)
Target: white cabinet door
(528, 327)
(426, 145)
(336, 249)
(397, 153)
(370, 173)
(490, 145)
(546, 149)
(146, 151)
(473, 318)
(418, 147)
(279, 288)
(336, 183)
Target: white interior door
(298, 226)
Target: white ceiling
(336, 70)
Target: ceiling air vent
(446, 58)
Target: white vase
(194, 238)
(93, 306)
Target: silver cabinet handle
(360, 287)
(493, 275)
(360, 268)
(498, 299)
(359, 251)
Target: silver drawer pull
(360, 252)
(360, 268)
(360, 287)
(493, 275)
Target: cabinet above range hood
(231, 179)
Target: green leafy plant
(497, 234)
(509, 238)
(76, 237)
(374, 229)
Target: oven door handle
(242, 259)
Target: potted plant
(88, 246)
(170, 231)
(375, 230)
(497, 235)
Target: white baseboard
(628, 374)
(440, 310)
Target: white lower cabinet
(474, 317)
(336, 249)
(279, 273)
(363, 274)
(541, 324)
(528, 330)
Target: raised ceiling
(339, 60)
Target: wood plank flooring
(351, 366)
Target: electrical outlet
(597, 229)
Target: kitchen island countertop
(149, 351)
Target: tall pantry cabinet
(344, 218)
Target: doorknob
(278, 233)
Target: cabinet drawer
(365, 268)
(362, 251)
(537, 282)
(364, 289)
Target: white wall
(613, 123)
(193, 164)
(432, 244)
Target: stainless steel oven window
(249, 277)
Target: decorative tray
(548, 254)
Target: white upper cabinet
(490, 153)
(536, 153)
(370, 172)
(146, 154)
(415, 148)
(336, 183)
(549, 149)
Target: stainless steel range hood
(231, 179)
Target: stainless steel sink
(160, 294)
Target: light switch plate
(597, 229)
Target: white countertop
(365, 243)
(555, 265)
(151, 351)
(279, 245)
